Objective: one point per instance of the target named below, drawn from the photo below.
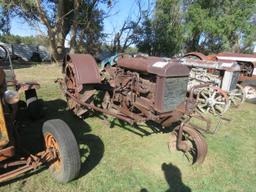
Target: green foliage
(4, 21)
(29, 40)
(163, 33)
(214, 26)
(90, 28)
(208, 26)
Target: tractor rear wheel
(59, 137)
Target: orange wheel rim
(51, 142)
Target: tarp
(25, 52)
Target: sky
(118, 14)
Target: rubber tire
(69, 151)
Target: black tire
(69, 156)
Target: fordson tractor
(136, 90)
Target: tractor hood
(155, 65)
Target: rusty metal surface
(6, 153)
(237, 57)
(136, 90)
(26, 164)
(198, 55)
(247, 62)
(155, 65)
(22, 87)
(84, 67)
(207, 64)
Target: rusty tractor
(247, 64)
(223, 89)
(61, 151)
(137, 90)
(33, 104)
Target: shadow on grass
(31, 138)
(142, 130)
(173, 177)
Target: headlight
(11, 97)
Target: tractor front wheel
(194, 146)
(59, 138)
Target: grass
(116, 159)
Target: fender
(198, 55)
(84, 67)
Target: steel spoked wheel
(193, 145)
(72, 87)
(196, 145)
(58, 138)
(250, 92)
(212, 100)
(237, 96)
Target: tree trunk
(74, 26)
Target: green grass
(116, 159)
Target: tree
(29, 40)
(207, 26)
(162, 34)
(4, 21)
(128, 34)
(59, 17)
(215, 26)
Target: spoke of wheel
(236, 94)
(204, 96)
(214, 94)
(202, 100)
(188, 156)
(219, 97)
(220, 103)
(201, 109)
(220, 109)
(204, 105)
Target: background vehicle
(247, 64)
(223, 88)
